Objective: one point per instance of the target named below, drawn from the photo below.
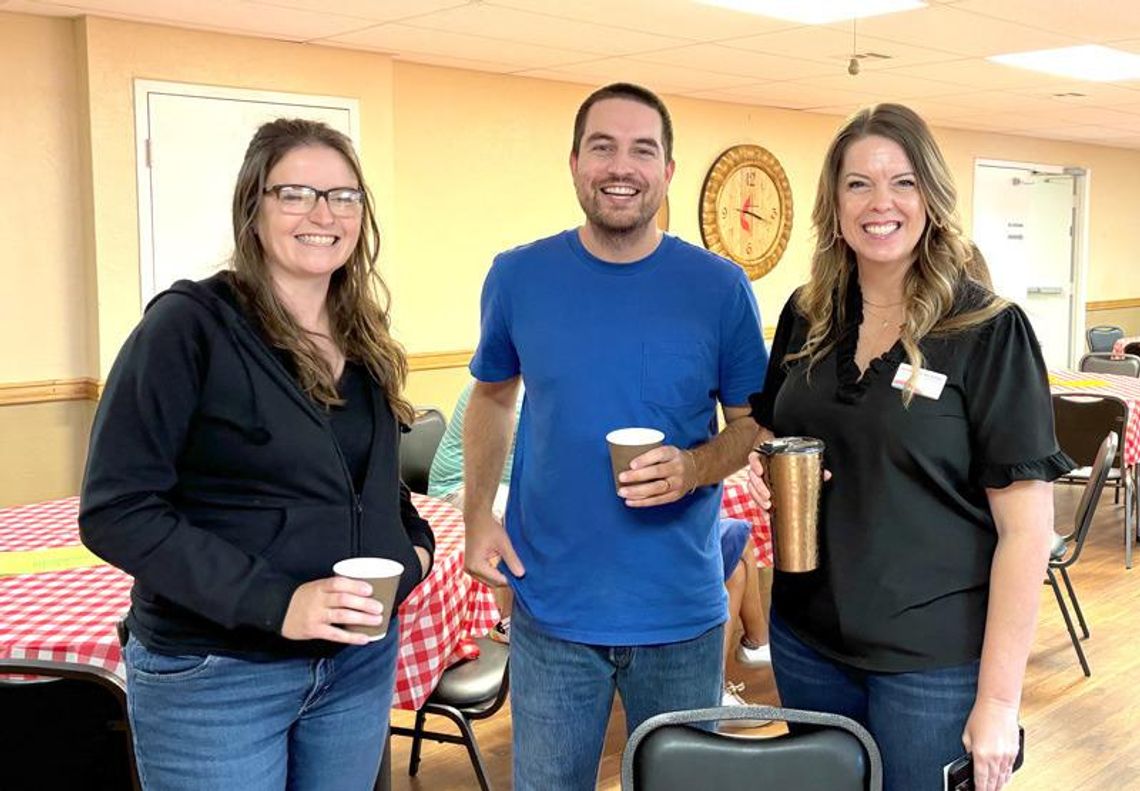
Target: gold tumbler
(793, 471)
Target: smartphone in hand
(958, 775)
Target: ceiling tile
(974, 73)
(885, 86)
(507, 24)
(728, 60)
(245, 18)
(655, 76)
(949, 28)
(684, 18)
(795, 96)
(833, 45)
(1091, 21)
(386, 11)
(405, 41)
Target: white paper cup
(384, 576)
(626, 444)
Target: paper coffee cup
(626, 444)
(384, 576)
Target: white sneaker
(759, 656)
(731, 697)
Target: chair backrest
(667, 752)
(1081, 422)
(417, 448)
(1102, 336)
(1105, 363)
(70, 732)
(1090, 497)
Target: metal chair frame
(1101, 337)
(418, 445)
(1105, 363)
(461, 715)
(75, 671)
(1079, 421)
(1069, 553)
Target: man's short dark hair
(626, 90)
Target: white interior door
(1023, 224)
(192, 140)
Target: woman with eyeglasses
(246, 441)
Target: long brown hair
(943, 257)
(357, 299)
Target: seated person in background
(741, 579)
(445, 481)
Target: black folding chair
(1067, 548)
(667, 753)
(66, 728)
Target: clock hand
(753, 214)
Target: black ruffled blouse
(907, 532)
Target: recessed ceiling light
(1088, 62)
(817, 12)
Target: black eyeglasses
(301, 199)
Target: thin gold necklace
(887, 305)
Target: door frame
(1080, 247)
(144, 89)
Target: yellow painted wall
(44, 304)
(119, 52)
(463, 165)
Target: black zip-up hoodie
(220, 487)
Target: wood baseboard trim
(89, 389)
(83, 389)
(431, 361)
(1113, 304)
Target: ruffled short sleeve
(1009, 406)
(763, 403)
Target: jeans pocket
(153, 665)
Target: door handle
(1045, 290)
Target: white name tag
(929, 384)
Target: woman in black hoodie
(247, 440)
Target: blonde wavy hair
(357, 299)
(944, 259)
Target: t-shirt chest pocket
(675, 373)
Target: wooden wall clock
(746, 208)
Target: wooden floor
(1082, 734)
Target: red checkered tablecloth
(737, 503)
(1120, 347)
(1126, 388)
(70, 615)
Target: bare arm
(666, 474)
(1023, 513)
(487, 428)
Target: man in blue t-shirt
(611, 325)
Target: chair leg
(417, 743)
(468, 737)
(1076, 604)
(1068, 621)
(1130, 515)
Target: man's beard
(617, 223)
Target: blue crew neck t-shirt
(655, 343)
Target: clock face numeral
(746, 208)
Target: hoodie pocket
(311, 540)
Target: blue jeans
(916, 718)
(562, 693)
(219, 722)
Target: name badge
(929, 384)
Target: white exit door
(1024, 225)
(191, 141)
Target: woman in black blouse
(930, 393)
